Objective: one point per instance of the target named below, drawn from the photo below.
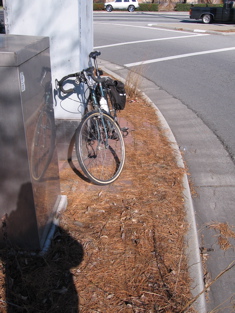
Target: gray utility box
(29, 176)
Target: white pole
(69, 25)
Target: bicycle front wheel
(100, 148)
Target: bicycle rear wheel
(100, 148)
(112, 110)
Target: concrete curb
(61, 207)
(192, 242)
(201, 28)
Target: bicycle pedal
(114, 136)
(124, 129)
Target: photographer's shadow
(37, 283)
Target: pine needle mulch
(119, 248)
(133, 230)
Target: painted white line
(199, 31)
(179, 56)
(148, 40)
(147, 27)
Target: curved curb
(192, 242)
(226, 32)
(61, 207)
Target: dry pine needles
(119, 248)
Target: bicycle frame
(98, 135)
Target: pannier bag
(117, 94)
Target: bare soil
(119, 248)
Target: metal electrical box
(29, 176)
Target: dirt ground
(119, 248)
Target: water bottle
(104, 105)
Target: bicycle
(99, 141)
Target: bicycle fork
(101, 116)
(104, 128)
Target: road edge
(200, 28)
(191, 239)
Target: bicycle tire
(42, 146)
(100, 148)
(112, 109)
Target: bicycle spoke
(100, 148)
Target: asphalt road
(204, 82)
(194, 78)
(141, 17)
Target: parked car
(2, 28)
(214, 14)
(129, 5)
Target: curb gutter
(192, 242)
(211, 29)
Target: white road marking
(148, 40)
(149, 26)
(180, 56)
(199, 31)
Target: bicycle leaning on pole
(99, 140)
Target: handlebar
(94, 54)
(80, 77)
(98, 79)
(59, 84)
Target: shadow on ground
(35, 283)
